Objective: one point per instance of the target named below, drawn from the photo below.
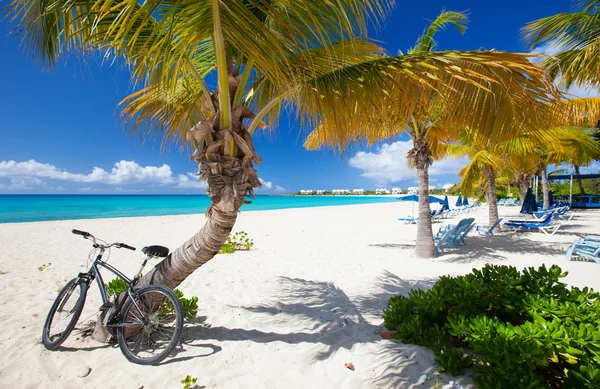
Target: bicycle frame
(94, 272)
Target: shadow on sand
(498, 247)
(334, 320)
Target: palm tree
(263, 54)
(577, 35)
(523, 155)
(310, 54)
(496, 110)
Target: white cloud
(266, 184)
(190, 180)
(123, 172)
(388, 164)
(280, 188)
(89, 190)
(549, 48)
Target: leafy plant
(453, 360)
(188, 381)
(115, 287)
(238, 242)
(190, 306)
(44, 266)
(524, 329)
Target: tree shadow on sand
(498, 247)
(332, 319)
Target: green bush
(521, 329)
(190, 306)
(237, 242)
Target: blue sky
(60, 134)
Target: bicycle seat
(156, 251)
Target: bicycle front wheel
(64, 314)
(151, 325)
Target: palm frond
(426, 42)
(582, 112)
(576, 67)
(490, 91)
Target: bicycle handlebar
(87, 235)
(125, 246)
(82, 233)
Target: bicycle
(147, 322)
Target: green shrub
(188, 381)
(190, 306)
(237, 242)
(523, 329)
(115, 287)
(44, 266)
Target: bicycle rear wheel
(64, 314)
(151, 325)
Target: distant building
(358, 191)
(447, 187)
(413, 190)
(321, 192)
(340, 191)
(307, 191)
(382, 191)
(396, 191)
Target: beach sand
(288, 314)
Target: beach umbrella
(458, 201)
(415, 198)
(465, 201)
(445, 204)
(529, 205)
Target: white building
(447, 187)
(413, 190)
(307, 191)
(382, 191)
(396, 191)
(340, 191)
(358, 191)
(321, 192)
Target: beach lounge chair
(409, 220)
(458, 232)
(486, 229)
(464, 231)
(585, 249)
(444, 240)
(547, 226)
(546, 218)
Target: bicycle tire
(172, 313)
(75, 312)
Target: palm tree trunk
(545, 187)
(422, 156)
(198, 250)
(492, 197)
(579, 181)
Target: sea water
(29, 208)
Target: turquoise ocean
(30, 208)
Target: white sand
(288, 314)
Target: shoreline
(160, 209)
